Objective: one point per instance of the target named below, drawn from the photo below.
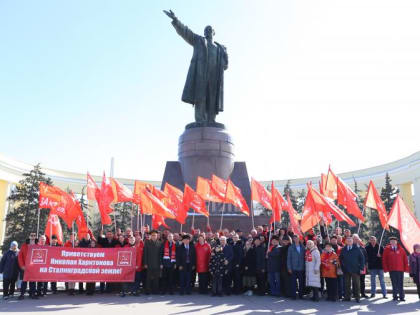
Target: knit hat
(14, 243)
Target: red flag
(292, 216)
(330, 189)
(260, 194)
(92, 188)
(205, 191)
(322, 184)
(277, 203)
(374, 201)
(105, 198)
(157, 221)
(347, 198)
(121, 192)
(234, 196)
(53, 227)
(151, 204)
(310, 216)
(175, 199)
(58, 201)
(404, 221)
(194, 201)
(138, 188)
(218, 186)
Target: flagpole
(252, 215)
(180, 230)
(192, 224)
(360, 221)
(37, 228)
(138, 219)
(72, 233)
(131, 216)
(380, 242)
(221, 219)
(51, 228)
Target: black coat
(374, 262)
(9, 265)
(273, 261)
(250, 262)
(181, 256)
(238, 254)
(260, 263)
(103, 241)
(217, 264)
(283, 258)
(228, 252)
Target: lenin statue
(204, 85)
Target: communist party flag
(322, 184)
(205, 190)
(58, 201)
(92, 188)
(277, 203)
(219, 185)
(234, 196)
(347, 198)
(330, 188)
(310, 216)
(175, 202)
(157, 221)
(105, 198)
(150, 204)
(374, 201)
(194, 201)
(404, 221)
(327, 206)
(138, 188)
(121, 192)
(260, 194)
(53, 227)
(292, 217)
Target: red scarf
(166, 251)
(308, 256)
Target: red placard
(50, 263)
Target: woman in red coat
(203, 252)
(395, 262)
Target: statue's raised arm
(183, 31)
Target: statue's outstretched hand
(170, 13)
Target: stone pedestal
(204, 151)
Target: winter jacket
(312, 268)
(151, 255)
(203, 253)
(228, 251)
(374, 262)
(353, 260)
(9, 265)
(260, 262)
(182, 255)
(414, 262)
(217, 264)
(23, 252)
(296, 260)
(105, 243)
(283, 258)
(167, 263)
(395, 260)
(273, 259)
(329, 264)
(249, 262)
(238, 254)
(139, 256)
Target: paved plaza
(104, 304)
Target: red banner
(50, 263)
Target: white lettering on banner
(96, 262)
(65, 253)
(111, 271)
(74, 270)
(62, 262)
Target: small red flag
(404, 221)
(277, 203)
(151, 204)
(175, 199)
(374, 201)
(138, 188)
(194, 201)
(260, 194)
(234, 196)
(53, 227)
(92, 188)
(347, 198)
(310, 216)
(218, 186)
(157, 221)
(292, 216)
(330, 189)
(121, 192)
(205, 191)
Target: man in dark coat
(204, 85)
(10, 270)
(185, 260)
(260, 266)
(227, 277)
(238, 256)
(168, 264)
(151, 262)
(284, 274)
(374, 261)
(273, 266)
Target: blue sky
(310, 83)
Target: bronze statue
(204, 85)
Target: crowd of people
(279, 263)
